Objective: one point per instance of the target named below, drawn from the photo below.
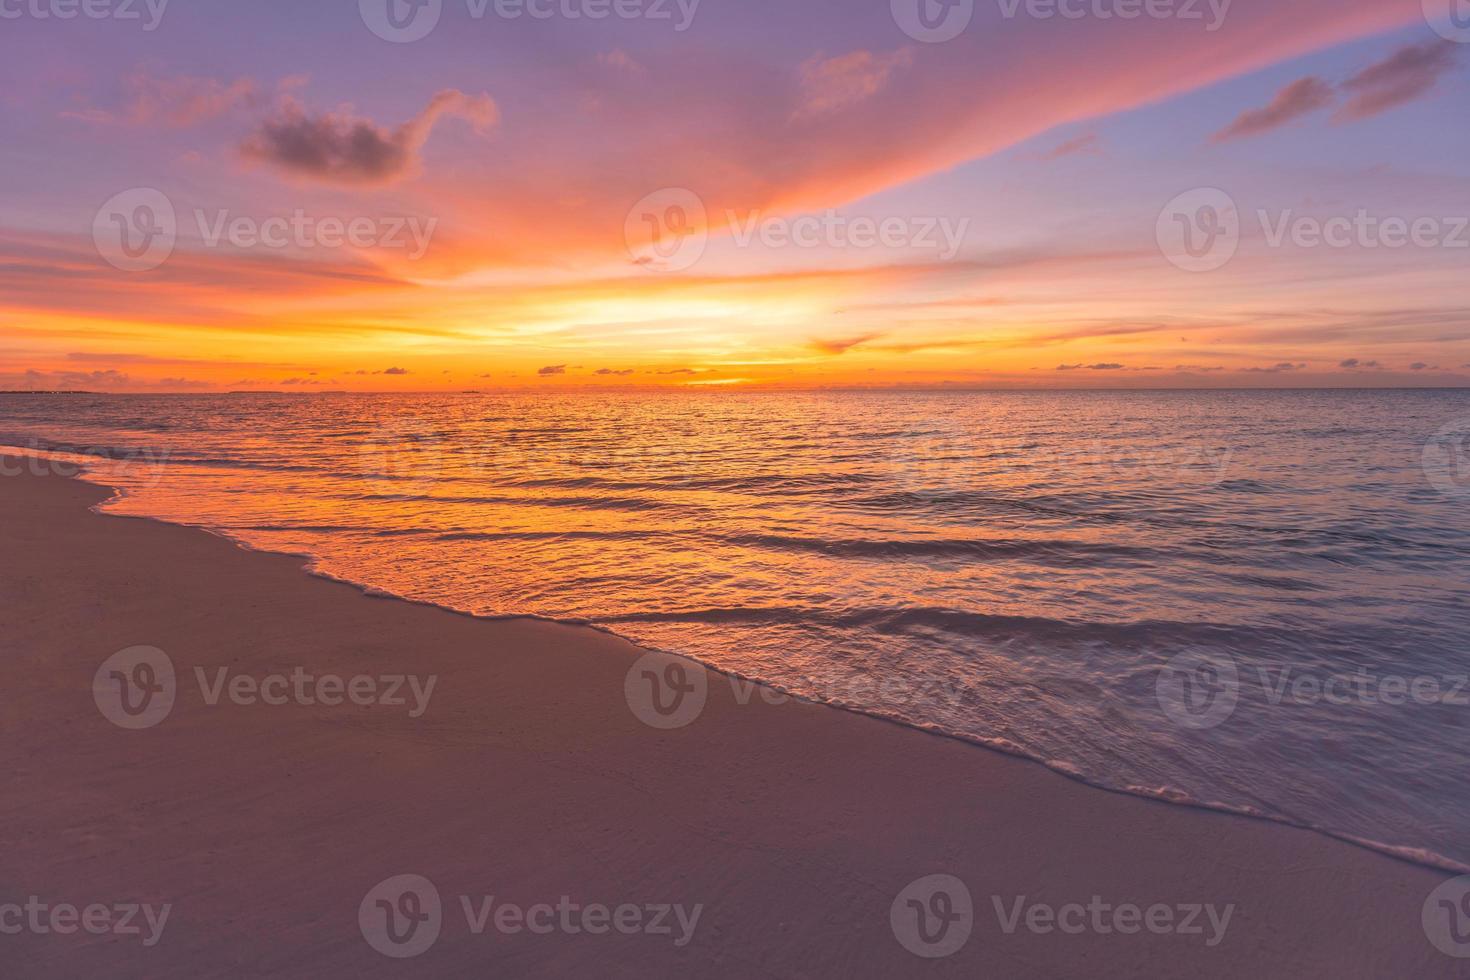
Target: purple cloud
(1298, 99)
(1402, 77)
(341, 148)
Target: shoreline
(767, 809)
(1410, 854)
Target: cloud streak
(1404, 76)
(1298, 99)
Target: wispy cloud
(179, 101)
(830, 84)
(842, 345)
(621, 60)
(1404, 76)
(1298, 99)
(1089, 144)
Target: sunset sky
(500, 172)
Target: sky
(412, 195)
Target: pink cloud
(830, 84)
(621, 60)
(179, 101)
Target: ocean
(1245, 600)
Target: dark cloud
(1402, 77)
(1279, 368)
(344, 149)
(1353, 362)
(1089, 367)
(614, 373)
(553, 369)
(676, 371)
(1298, 99)
(397, 370)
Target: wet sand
(528, 775)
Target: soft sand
(529, 778)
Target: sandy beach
(321, 742)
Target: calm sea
(1246, 600)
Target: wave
(1050, 551)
